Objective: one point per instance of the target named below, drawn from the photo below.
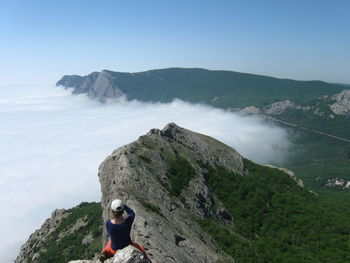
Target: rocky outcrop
(279, 107)
(276, 108)
(34, 246)
(140, 173)
(342, 104)
(97, 85)
(126, 255)
(251, 110)
(338, 182)
(77, 231)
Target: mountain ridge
(218, 88)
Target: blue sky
(42, 40)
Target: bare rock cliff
(342, 104)
(97, 85)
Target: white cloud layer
(52, 143)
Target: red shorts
(108, 250)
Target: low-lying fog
(52, 143)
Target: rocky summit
(161, 176)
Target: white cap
(117, 205)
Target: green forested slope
(276, 220)
(219, 88)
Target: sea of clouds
(52, 143)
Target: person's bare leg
(142, 250)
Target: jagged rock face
(96, 85)
(165, 224)
(342, 105)
(33, 247)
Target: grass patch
(148, 143)
(144, 159)
(152, 207)
(180, 172)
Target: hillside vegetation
(276, 220)
(78, 235)
(224, 89)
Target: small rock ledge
(127, 255)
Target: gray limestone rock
(139, 174)
(127, 255)
(97, 85)
(279, 107)
(342, 104)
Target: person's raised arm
(130, 212)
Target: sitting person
(119, 231)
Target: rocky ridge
(139, 174)
(219, 88)
(103, 86)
